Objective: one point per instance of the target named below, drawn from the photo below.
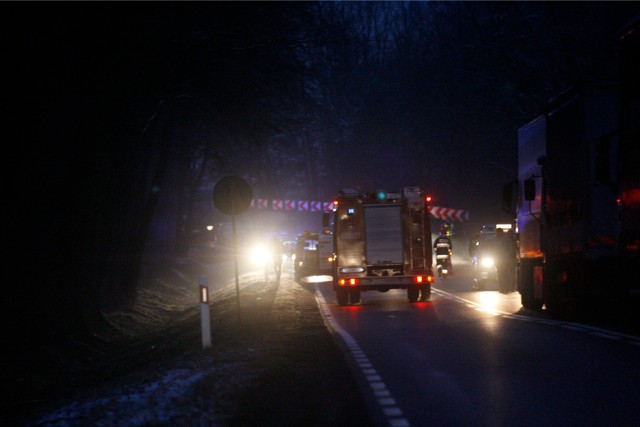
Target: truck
(577, 201)
(381, 241)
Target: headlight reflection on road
(489, 302)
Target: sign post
(232, 195)
(204, 313)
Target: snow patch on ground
(171, 397)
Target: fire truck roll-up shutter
(383, 229)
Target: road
(479, 358)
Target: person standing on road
(277, 252)
(443, 246)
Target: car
(484, 267)
(313, 254)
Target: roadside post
(204, 313)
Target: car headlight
(260, 255)
(487, 262)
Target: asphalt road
(479, 358)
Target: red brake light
(348, 282)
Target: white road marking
(387, 403)
(604, 333)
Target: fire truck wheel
(342, 295)
(413, 292)
(425, 293)
(354, 296)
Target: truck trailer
(382, 241)
(577, 208)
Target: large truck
(577, 210)
(382, 241)
(577, 197)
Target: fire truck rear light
(348, 282)
(418, 279)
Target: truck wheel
(425, 292)
(525, 286)
(413, 292)
(354, 296)
(342, 295)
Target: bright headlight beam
(486, 262)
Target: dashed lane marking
(388, 406)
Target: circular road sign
(232, 195)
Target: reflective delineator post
(204, 313)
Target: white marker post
(204, 313)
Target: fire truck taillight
(423, 279)
(348, 282)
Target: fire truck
(382, 241)
(577, 197)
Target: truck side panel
(531, 147)
(349, 236)
(580, 203)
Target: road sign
(232, 195)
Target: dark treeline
(119, 116)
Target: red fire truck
(382, 241)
